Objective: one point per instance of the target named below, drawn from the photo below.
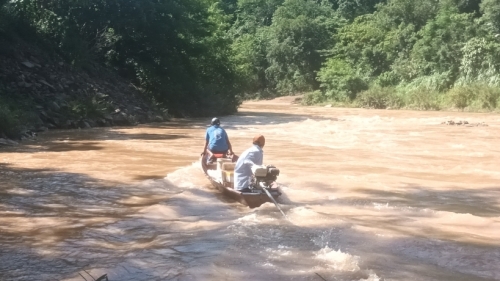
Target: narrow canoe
(251, 199)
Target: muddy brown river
(370, 195)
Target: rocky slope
(60, 96)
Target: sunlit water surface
(369, 195)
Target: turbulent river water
(369, 194)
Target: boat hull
(250, 199)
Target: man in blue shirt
(243, 169)
(216, 140)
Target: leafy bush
(387, 79)
(9, 122)
(424, 98)
(339, 80)
(15, 115)
(438, 82)
(461, 96)
(380, 98)
(312, 98)
(475, 96)
(491, 11)
(488, 96)
(89, 108)
(480, 62)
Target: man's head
(215, 121)
(259, 140)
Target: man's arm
(207, 139)
(229, 145)
(205, 147)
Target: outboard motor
(264, 176)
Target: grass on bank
(473, 98)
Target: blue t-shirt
(217, 139)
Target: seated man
(216, 141)
(243, 169)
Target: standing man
(216, 141)
(243, 169)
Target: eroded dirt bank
(371, 195)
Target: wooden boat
(220, 175)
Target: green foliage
(380, 98)
(407, 12)
(478, 96)
(362, 44)
(422, 49)
(491, 13)
(251, 37)
(88, 108)
(468, 6)
(424, 98)
(9, 122)
(201, 57)
(3, 18)
(339, 80)
(312, 98)
(480, 62)
(350, 9)
(250, 59)
(253, 14)
(438, 82)
(487, 96)
(373, 48)
(461, 96)
(14, 113)
(425, 92)
(442, 39)
(178, 51)
(300, 30)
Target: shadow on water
(65, 147)
(84, 140)
(56, 224)
(123, 136)
(59, 224)
(111, 134)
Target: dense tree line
(425, 54)
(203, 56)
(177, 51)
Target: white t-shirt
(243, 169)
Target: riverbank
(475, 97)
(40, 91)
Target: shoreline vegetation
(472, 98)
(80, 64)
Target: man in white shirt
(243, 169)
